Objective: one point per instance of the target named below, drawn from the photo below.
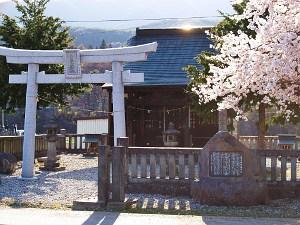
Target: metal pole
(30, 122)
(118, 102)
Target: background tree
(103, 44)
(33, 30)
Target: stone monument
(230, 174)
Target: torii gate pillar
(30, 122)
(118, 102)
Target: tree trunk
(223, 120)
(261, 126)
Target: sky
(126, 9)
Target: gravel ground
(79, 181)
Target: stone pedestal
(230, 174)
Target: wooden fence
(163, 163)
(162, 170)
(280, 165)
(170, 170)
(14, 145)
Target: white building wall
(93, 126)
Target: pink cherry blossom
(267, 65)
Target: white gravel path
(79, 180)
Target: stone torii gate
(72, 59)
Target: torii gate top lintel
(72, 59)
(123, 54)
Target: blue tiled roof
(176, 49)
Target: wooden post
(30, 122)
(124, 142)
(118, 184)
(103, 174)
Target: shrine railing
(14, 145)
(164, 170)
(163, 163)
(280, 165)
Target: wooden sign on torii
(72, 58)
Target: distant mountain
(90, 37)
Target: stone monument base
(229, 191)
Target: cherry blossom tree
(264, 67)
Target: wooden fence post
(103, 175)
(124, 141)
(118, 183)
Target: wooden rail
(68, 142)
(14, 145)
(163, 163)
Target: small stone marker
(230, 174)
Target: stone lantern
(51, 163)
(52, 130)
(170, 136)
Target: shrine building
(161, 100)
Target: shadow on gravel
(89, 174)
(101, 218)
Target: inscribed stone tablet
(226, 164)
(72, 63)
